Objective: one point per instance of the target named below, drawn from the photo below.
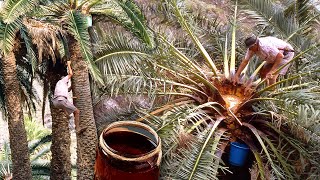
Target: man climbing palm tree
(60, 98)
(274, 51)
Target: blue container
(238, 154)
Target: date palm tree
(18, 138)
(12, 32)
(206, 111)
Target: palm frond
(139, 26)
(41, 168)
(118, 55)
(127, 14)
(33, 145)
(44, 36)
(31, 55)
(15, 8)
(233, 43)
(29, 95)
(8, 35)
(200, 158)
(275, 168)
(195, 39)
(77, 25)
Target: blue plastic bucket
(238, 154)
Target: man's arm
(243, 64)
(70, 73)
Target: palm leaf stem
(285, 80)
(197, 99)
(234, 116)
(210, 105)
(181, 75)
(215, 125)
(216, 149)
(16, 8)
(197, 124)
(166, 107)
(166, 125)
(281, 160)
(225, 58)
(205, 82)
(256, 133)
(254, 74)
(121, 53)
(260, 99)
(287, 89)
(138, 21)
(195, 39)
(182, 57)
(233, 43)
(8, 35)
(182, 85)
(300, 149)
(286, 110)
(260, 164)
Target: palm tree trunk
(60, 147)
(21, 167)
(86, 142)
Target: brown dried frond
(44, 36)
(255, 175)
(185, 139)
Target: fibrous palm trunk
(21, 167)
(60, 147)
(86, 141)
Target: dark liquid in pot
(131, 145)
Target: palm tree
(10, 25)
(206, 111)
(50, 47)
(18, 138)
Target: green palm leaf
(77, 25)
(194, 38)
(199, 164)
(15, 8)
(139, 22)
(118, 55)
(8, 35)
(128, 15)
(31, 55)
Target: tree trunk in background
(21, 167)
(86, 142)
(60, 147)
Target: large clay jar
(128, 150)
